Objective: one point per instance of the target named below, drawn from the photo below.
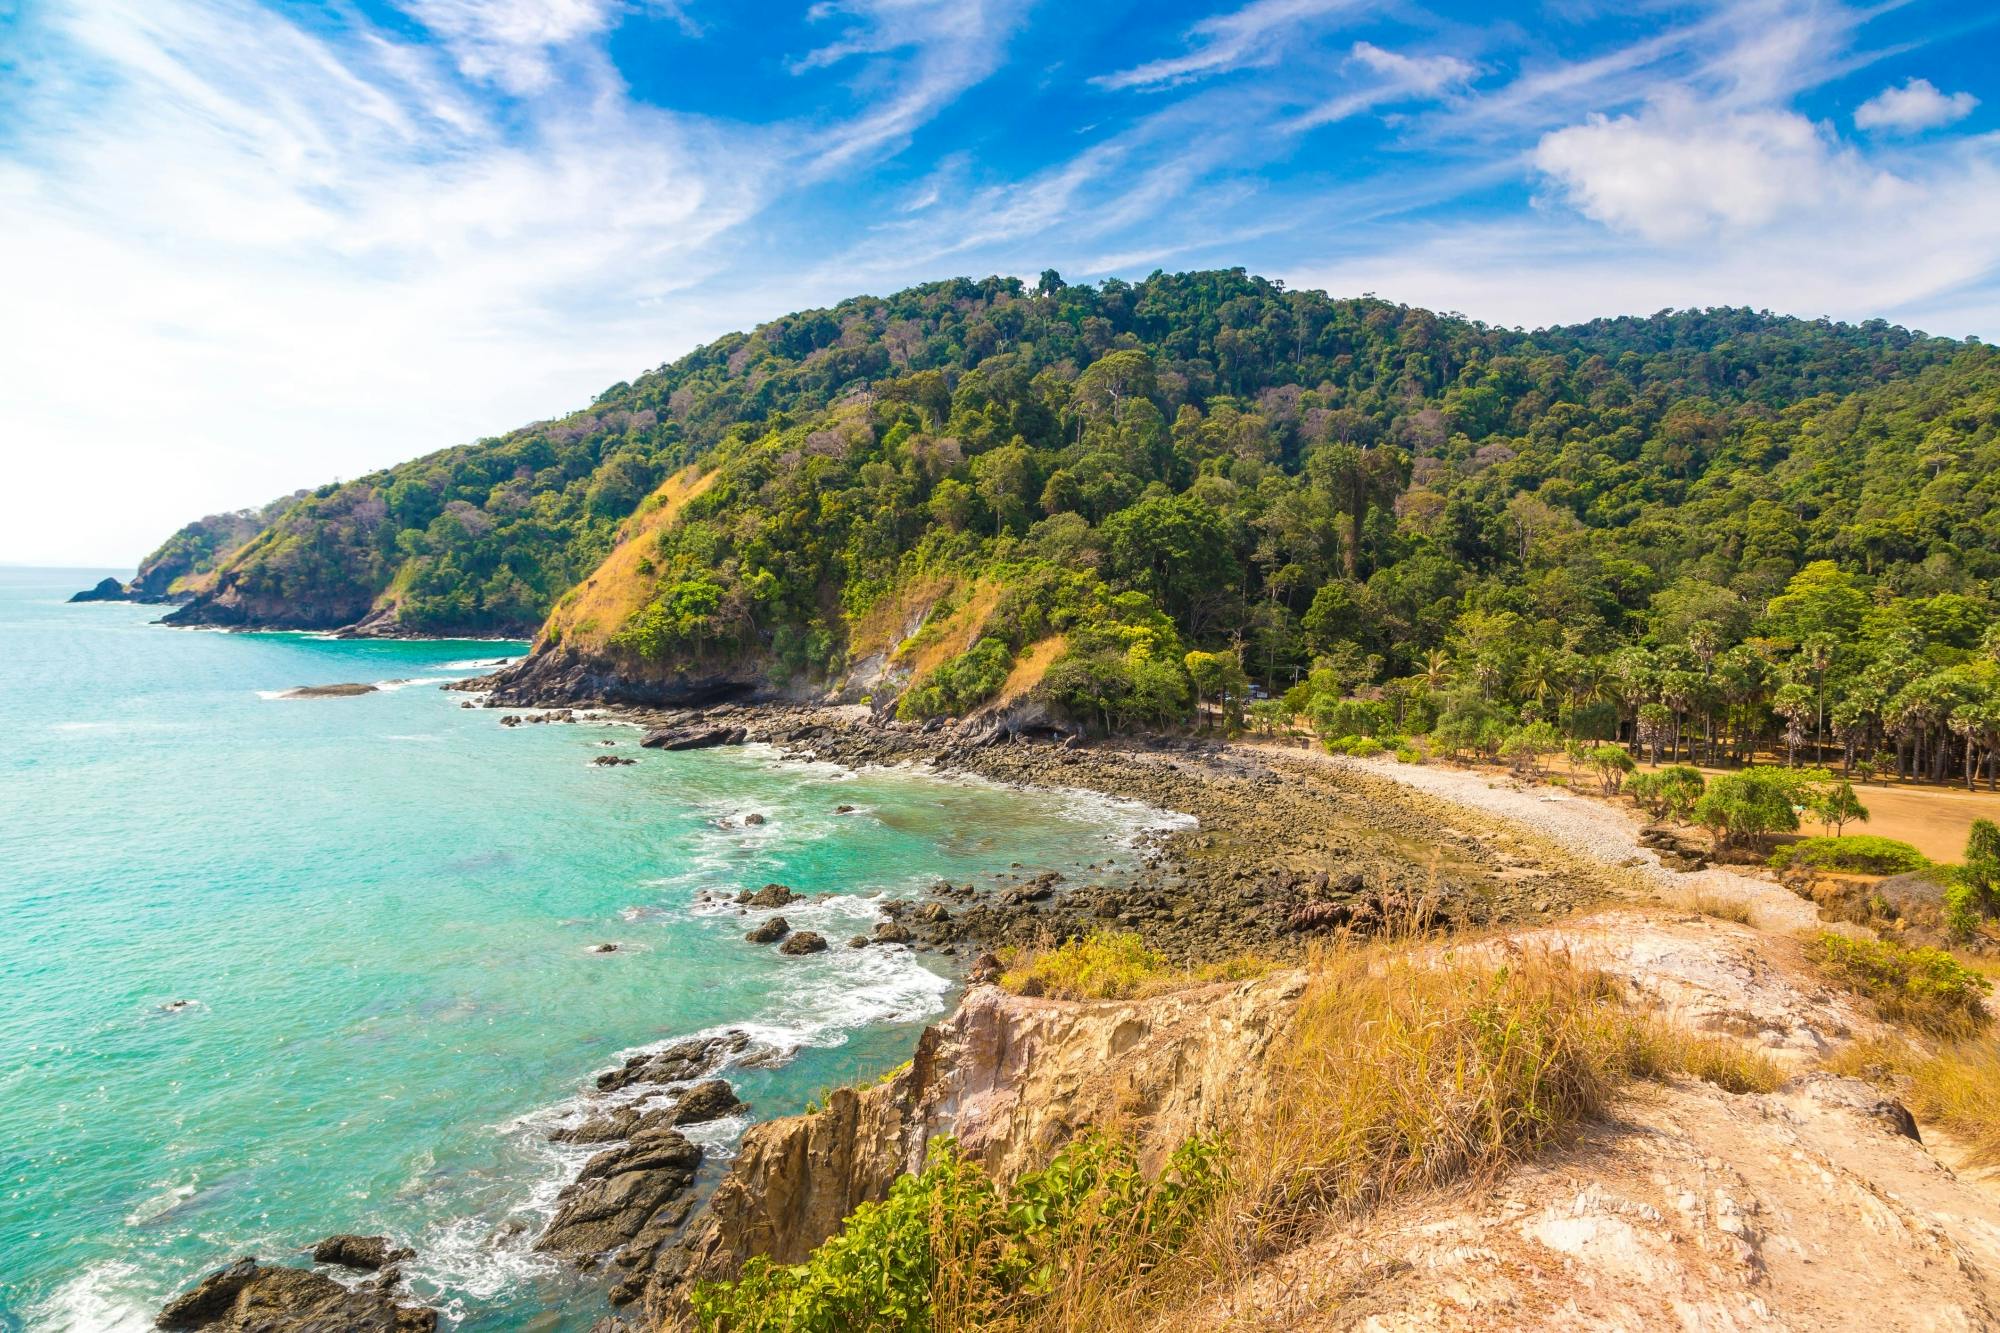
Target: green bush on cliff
(951, 1249)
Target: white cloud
(1258, 34)
(509, 42)
(1676, 172)
(1915, 106)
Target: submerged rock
(249, 1297)
(343, 691)
(611, 760)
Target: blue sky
(256, 246)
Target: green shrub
(1525, 747)
(1862, 854)
(1972, 894)
(949, 1248)
(960, 685)
(1925, 988)
(1670, 793)
(1104, 965)
(1409, 754)
(1365, 747)
(1610, 762)
(1748, 807)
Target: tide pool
(379, 911)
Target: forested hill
(1106, 479)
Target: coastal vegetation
(1702, 535)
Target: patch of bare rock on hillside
(1687, 1208)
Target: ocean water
(380, 911)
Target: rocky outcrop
(1012, 1079)
(768, 932)
(249, 1297)
(622, 1192)
(803, 942)
(681, 1062)
(693, 736)
(561, 674)
(105, 590)
(343, 691)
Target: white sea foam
(103, 1298)
(478, 664)
(391, 686)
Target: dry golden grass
(597, 609)
(1404, 1071)
(1030, 665)
(1717, 906)
(1956, 1087)
(1113, 965)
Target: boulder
(619, 1192)
(804, 942)
(611, 760)
(770, 932)
(249, 1297)
(705, 1102)
(364, 1252)
(771, 895)
(892, 932)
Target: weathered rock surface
(769, 932)
(771, 895)
(693, 737)
(364, 1252)
(1687, 1208)
(803, 942)
(681, 1062)
(620, 1192)
(1013, 1078)
(703, 1102)
(249, 1297)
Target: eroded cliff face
(1012, 1079)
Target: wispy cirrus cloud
(1257, 35)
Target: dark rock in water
(604, 948)
(858, 941)
(705, 1102)
(107, 590)
(805, 942)
(619, 1192)
(249, 1297)
(701, 1103)
(843, 809)
(345, 691)
(696, 736)
(678, 1063)
(364, 1252)
(752, 820)
(771, 895)
(611, 760)
(770, 932)
(892, 932)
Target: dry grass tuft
(1956, 1088)
(1113, 965)
(1717, 906)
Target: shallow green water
(382, 909)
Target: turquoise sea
(381, 910)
